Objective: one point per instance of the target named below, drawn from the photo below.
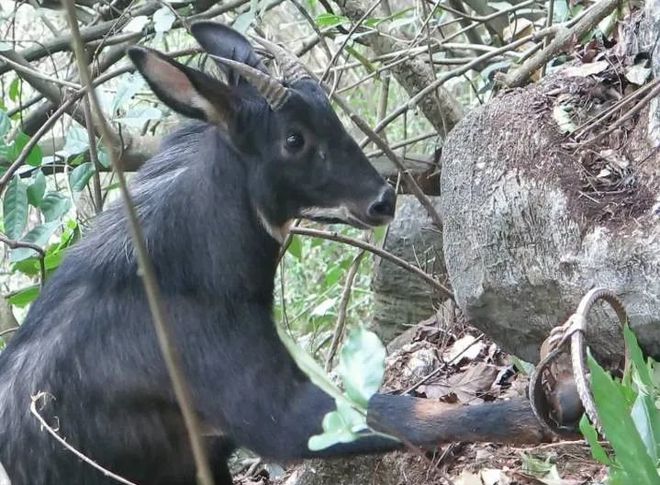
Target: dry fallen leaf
(465, 348)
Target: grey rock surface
(522, 244)
(401, 299)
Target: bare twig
(629, 114)
(562, 40)
(8, 331)
(409, 180)
(24, 244)
(163, 331)
(333, 236)
(98, 196)
(343, 306)
(62, 441)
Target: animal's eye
(294, 141)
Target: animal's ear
(187, 91)
(223, 41)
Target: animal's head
(303, 162)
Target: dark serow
(214, 205)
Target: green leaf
(296, 248)
(330, 20)
(128, 88)
(15, 89)
(80, 176)
(15, 208)
(163, 20)
(25, 296)
(340, 426)
(243, 21)
(76, 141)
(104, 159)
(37, 189)
(136, 24)
(591, 435)
(637, 358)
(379, 235)
(333, 275)
(362, 365)
(642, 414)
(35, 156)
(310, 367)
(39, 236)
(620, 429)
(54, 205)
(5, 124)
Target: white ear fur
(177, 84)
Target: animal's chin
(349, 219)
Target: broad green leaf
(15, 208)
(310, 367)
(295, 248)
(243, 21)
(333, 275)
(620, 429)
(323, 308)
(76, 141)
(15, 89)
(138, 116)
(642, 415)
(37, 189)
(330, 20)
(379, 234)
(163, 20)
(25, 296)
(340, 426)
(591, 435)
(637, 358)
(39, 236)
(34, 157)
(136, 24)
(362, 365)
(54, 205)
(5, 124)
(128, 88)
(80, 176)
(104, 159)
(29, 266)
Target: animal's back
(87, 341)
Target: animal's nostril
(384, 206)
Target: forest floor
(455, 364)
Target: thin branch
(164, 333)
(8, 331)
(93, 155)
(20, 67)
(409, 180)
(11, 243)
(655, 92)
(62, 441)
(333, 236)
(415, 100)
(560, 43)
(343, 307)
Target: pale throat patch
(279, 233)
